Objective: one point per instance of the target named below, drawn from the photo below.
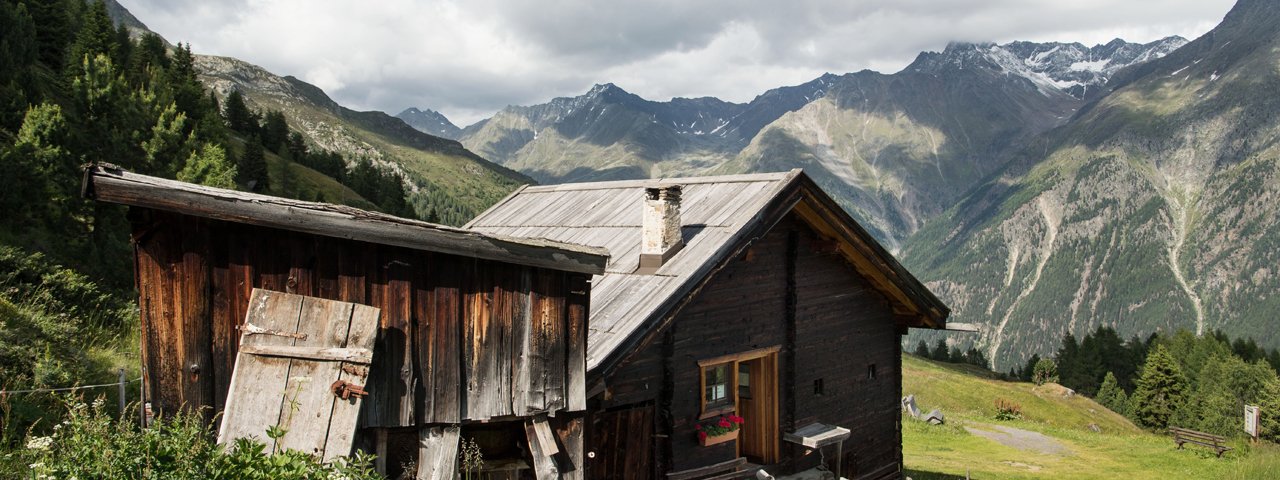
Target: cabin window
(717, 385)
(871, 371)
(818, 387)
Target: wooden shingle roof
(110, 184)
(718, 215)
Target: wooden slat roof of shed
(110, 184)
(717, 214)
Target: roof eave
(114, 185)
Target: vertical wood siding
(446, 348)
(831, 325)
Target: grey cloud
(481, 55)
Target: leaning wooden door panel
(296, 353)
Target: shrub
(88, 443)
(1007, 410)
(1046, 371)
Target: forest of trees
(76, 89)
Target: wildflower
(39, 443)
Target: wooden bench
(730, 470)
(1182, 436)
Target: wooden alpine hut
(751, 298)
(478, 336)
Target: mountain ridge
(1152, 209)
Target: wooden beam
(118, 186)
(352, 355)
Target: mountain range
(1038, 188)
(894, 149)
(1154, 208)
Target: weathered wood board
(438, 453)
(292, 350)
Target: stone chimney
(660, 231)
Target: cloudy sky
(471, 58)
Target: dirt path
(1019, 438)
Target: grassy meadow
(1097, 443)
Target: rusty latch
(344, 390)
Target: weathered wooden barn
(477, 331)
(752, 295)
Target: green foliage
(1110, 395)
(1007, 410)
(1045, 371)
(51, 318)
(252, 167)
(88, 443)
(209, 167)
(1225, 385)
(1161, 391)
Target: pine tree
(239, 118)
(940, 351)
(209, 166)
(1162, 390)
(1030, 368)
(1109, 393)
(922, 348)
(252, 167)
(275, 131)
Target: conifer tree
(1110, 395)
(940, 351)
(1162, 390)
(252, 167)
(209, 166)
(922, 348)
(239, 118)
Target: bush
(1046, 371)
(88, 443)
(1007, 410)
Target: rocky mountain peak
(430, 121)
(1070, 68)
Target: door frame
(769, 358)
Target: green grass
(966, 395)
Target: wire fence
(66, 389)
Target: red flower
(699, 427)
(724, 423)
(736, 419)
(701, 434)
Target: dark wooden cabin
(476, 330)
(752, 295)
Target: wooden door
(621, 444)
(758, 407)
(293, 350)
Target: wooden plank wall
(842, 327)
(447, 322)
(742, 308)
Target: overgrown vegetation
(89, 443)
(1184, 380)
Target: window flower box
(718, 430)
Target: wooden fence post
(121, 392)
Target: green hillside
(443, 177)
(1054, 436)
(1153, 209)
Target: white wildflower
(99, 402)
(39, 443)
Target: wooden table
(818, 435)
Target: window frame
(731, 390)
